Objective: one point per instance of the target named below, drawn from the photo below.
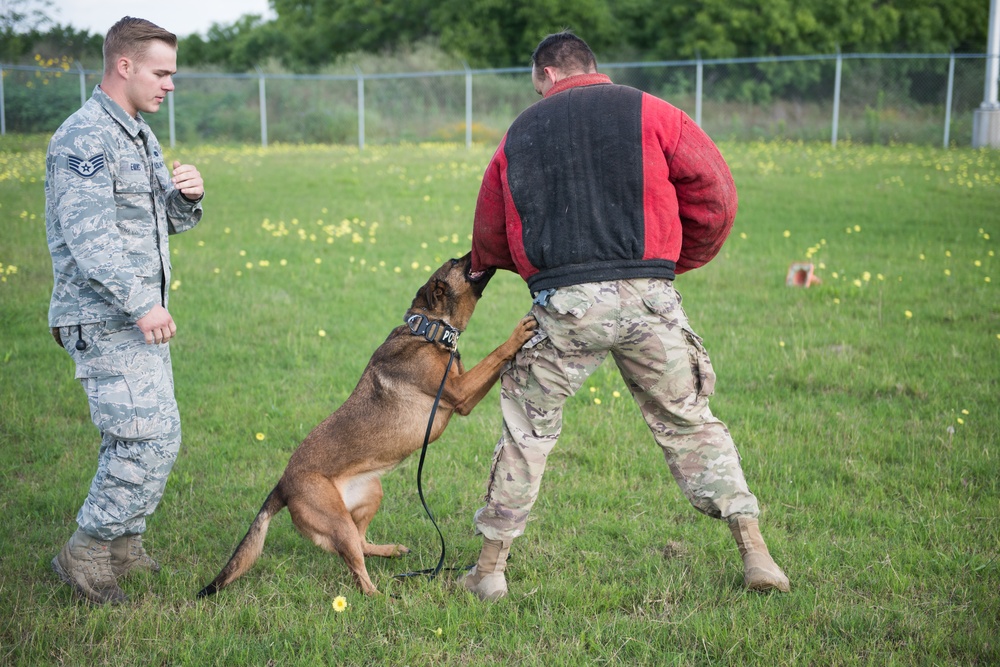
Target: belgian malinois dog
(332, 485)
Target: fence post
(468, 105)
(262, 93)
(3, 110)
(836, 98)
(699, 77)
(361, 108)
(986, 119)
(170, 118)
(83, 83)
(948, 98)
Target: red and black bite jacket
(597, 182)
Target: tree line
(310, 34)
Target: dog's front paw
(385, 550)
(524, 330)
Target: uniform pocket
(134, 201)
(701, 365)
(124, 403)
(127, 471)
(514, 379)
(661, 298)
(570, 301)
(132, 178)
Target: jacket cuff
(140, 305)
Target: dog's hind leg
(363, 497)
(319, 513)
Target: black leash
(420, 467)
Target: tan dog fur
(332, 485)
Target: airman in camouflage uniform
(599, 195)
(111, 203)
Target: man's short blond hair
(130, 37)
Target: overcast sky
(181, 17)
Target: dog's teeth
(476, 275)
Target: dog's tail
(250, 547)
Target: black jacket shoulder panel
(576, 178)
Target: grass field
(866, 409)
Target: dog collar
(433, 331)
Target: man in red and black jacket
(598, 196)
(601, 182)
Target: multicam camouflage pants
(130, 388)
(641, 323)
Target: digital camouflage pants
(130, 389)
(641, 324)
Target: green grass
(866, 409)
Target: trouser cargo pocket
(124, 403)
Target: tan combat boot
(85, 564)
(760, 572)
(486, 578)
(127, 555)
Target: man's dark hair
(565, 51)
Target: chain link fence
(925, 99)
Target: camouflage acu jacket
(109, 208)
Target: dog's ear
(432, 295)
(437, 291)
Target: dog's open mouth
(479, 279)
(478, 276)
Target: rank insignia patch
(88, 167)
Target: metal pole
(986, 119)
(262, 92)
(699, 78)
(83, 83)
(992, 59)
(468, 105)
(948, 98)
(170, 117)
(3, 110)
(361, 108)
(836, 98)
